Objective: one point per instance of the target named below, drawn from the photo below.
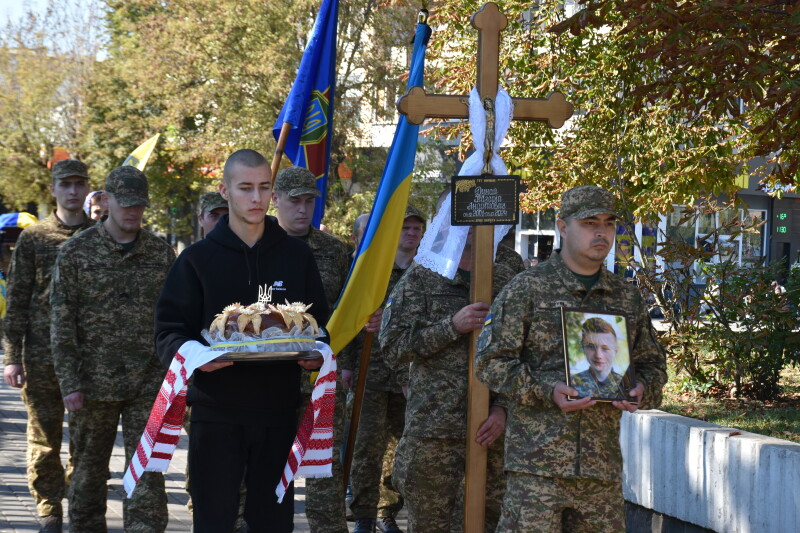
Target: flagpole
(363, 367)
(276, 160)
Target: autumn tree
(654, 91)
(733, 60)
(46, 60)
(213, 75)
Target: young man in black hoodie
(243, 414)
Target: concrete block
(715, 477)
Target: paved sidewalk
(17, 509)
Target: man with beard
(563, 461)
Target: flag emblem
(316, 125)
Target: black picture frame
(590, 338)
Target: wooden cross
(417, 105)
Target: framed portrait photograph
(596, 354)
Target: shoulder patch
(485, 337)
(387, 312)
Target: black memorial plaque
(485, 200)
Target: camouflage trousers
(95, 427)
(556, 505)
(429, 473)
(379, 429)
(325, 496)
(45, 407)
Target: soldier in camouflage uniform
(507, 255)
(599, 342)
(563, 462)
(212, 207)
(294, 195)
(383, 409)
(28, 359)
(106, 282)
(427, 322)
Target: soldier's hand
(637, 392)
(492, 427)
(14, 376)
(347, 378)
(73, 401)
(214, 365)
(374, 323)
(560, 393)
(311, 364)
(470, 317)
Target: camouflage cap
(210, 201)
(295, 181)
(412, 211)
(70, 168)
(129, 186)
(587, 201)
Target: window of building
(536, 234)
(745, 248)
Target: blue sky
(15, 8)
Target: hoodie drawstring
(247, 262)
(258, 278)
(246, 250)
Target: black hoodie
(216, 272)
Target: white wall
(711, 476)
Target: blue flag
(369, 276)
(309, 106)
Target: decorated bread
(255, 319)
(263, 327)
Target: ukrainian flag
(309, 106)
(369, 276)
(139, 157)
(3, 288)
(18, 220)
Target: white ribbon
(442, 245)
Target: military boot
(51, 524)
(388, 525)
(365, 525)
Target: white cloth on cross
(442, 245)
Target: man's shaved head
(246, 157)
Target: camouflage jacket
(521, 354)
(588, 385)
(333, 261)
(379, 375)
(27, 322)
(509, 257)
(417, 327)
(102, 305)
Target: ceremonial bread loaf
(255, 319)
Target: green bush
(733, 336)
